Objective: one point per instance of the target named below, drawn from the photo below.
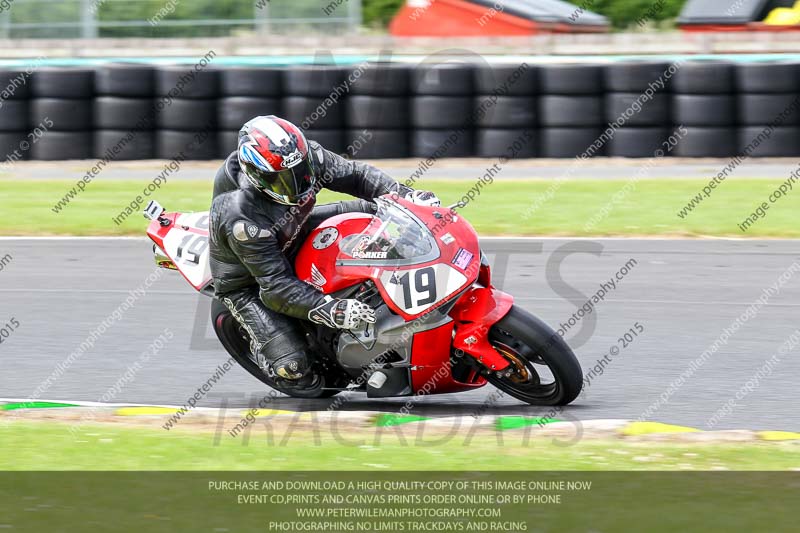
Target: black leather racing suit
(253, 243)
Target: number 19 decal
(191, 248)
(424, 283)
(418, 289)
(189, 252)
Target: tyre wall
(383, 110)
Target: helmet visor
(288, 186)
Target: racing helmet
(274, 155)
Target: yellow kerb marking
(646, 428)
(778, 435)
(144, 411)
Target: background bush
(627, 13)
(380, 12)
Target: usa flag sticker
(462, 259)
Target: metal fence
(65, 19)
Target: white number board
(189, 249)
(418, 289)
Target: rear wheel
(544, 370)
(237, 343)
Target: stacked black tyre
(637, 107)
(124, 112)
(14, 110)
(60, 114)
(186, 105)
(313, 101)
(571, 111)
(245, 93)
(442, 110)
(768, 106)
(376, 112)
(704, 103)
(506, 111)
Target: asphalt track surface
(683, 292)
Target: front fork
(474, 314)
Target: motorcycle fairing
(353, 247)
(185, 242)
(474, 315)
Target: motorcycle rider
(262, 210)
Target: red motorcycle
(441, 327)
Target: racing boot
(292, 371)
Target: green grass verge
(650, 208)
(26, 445)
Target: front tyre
(236, 342)
(544, 370)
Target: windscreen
(394, 236)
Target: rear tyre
(534, 347)
(234, 339)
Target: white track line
(87, 404)
(667, 302)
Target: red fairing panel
(430, 355)
(316, 262)
(475, 313)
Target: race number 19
(424, 289)
(191, 248)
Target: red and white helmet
(274, 155)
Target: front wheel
(237, 343)
(544, 370)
